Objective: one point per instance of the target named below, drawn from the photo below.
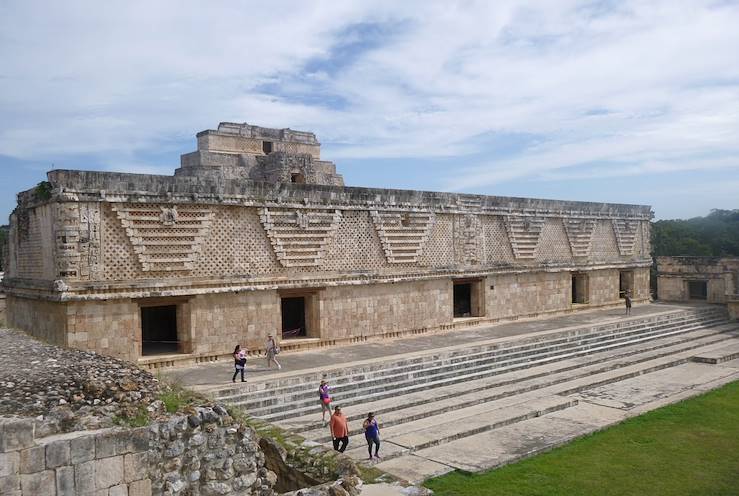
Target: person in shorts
(372, 434)
(324, 396)
(272, 351)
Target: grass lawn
(690, 448)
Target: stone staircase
(429, 401)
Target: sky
(614, 101)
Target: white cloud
(653, 86)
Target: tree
(717, 234)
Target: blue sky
(629, 102)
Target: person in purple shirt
(372, 434)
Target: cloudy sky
(623, 101)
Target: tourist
(239, 363)
(339, 430)
(324, 396)
(627, 300)
(272, 351)
(372, 434)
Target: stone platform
(481, 398)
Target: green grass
(176, 398)
(687, 449)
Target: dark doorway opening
(293, 317)
(579, 288)
(462, 300)
(159, 330)
(267, 147)
(698, 290)
(297, 178)
(625, 283)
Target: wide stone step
(292, 383)
(271, 408)
(404, 408)
(443, 361)
(719, 356)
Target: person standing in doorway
(272, 351)
(627, 301)
(372, 434)
(324, 396)
(239, 363)
(339, 430)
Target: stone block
(16, 435)
(10, 484)
(57, 454)
(33, 460)
(135, 465)
(84, 477)
(105, 444)
(119, 490)
(65, 481)
(9, 463)
(108, 472)
(140, 488)
(39, 484)
(82, 449)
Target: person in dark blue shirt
(372, 434)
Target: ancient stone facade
(709, 279)
(242, 242)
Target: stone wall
(526, 294)
(45, 320)
(720, 274)
(205, 453)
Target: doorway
(159, 330)
(462, 300)
(266, 147)
(579, 288)
(293, 317)
(698, 290)
(625, 283)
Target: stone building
(709, 279)
(255, 234)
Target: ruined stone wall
(720, 274)
(108, 327)
(2, 307)
(603, 287)
(31, 248)
(384, 308)
(204, 453)
(45, 320)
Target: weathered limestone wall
(31, 243)
(45, 320)
(603, 287)
(720, 274)
(527, 294)
(384, 308)
(108, 327)
(205, 453)
(2, 308)
(220, 321)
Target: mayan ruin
(256, 234)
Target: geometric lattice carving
(524, 233)
(625, 235)
(300, 237)
(403, 234)
(164, 237)
(580, 234)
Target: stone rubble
(67, 389)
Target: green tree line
(716, 234)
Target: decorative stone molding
(580, 235)
(165, 238)
(468, 239)
(625, 230)
(300, 237)
(524, 234)
(403, 235)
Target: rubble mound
(71, 389)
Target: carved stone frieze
(403, 235)
(165, 238)
(468, 241)
(300, 237)
(580, 235)
(524, 233)
(625, 230)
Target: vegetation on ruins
(716, 234)
(686, 448)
